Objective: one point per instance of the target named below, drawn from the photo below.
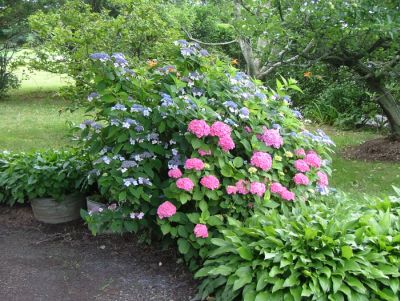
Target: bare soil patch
(65, 262)
(381, 149)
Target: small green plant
(315, 252)
(25, 176)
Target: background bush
(25, 176)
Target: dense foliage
(25, 176)
(317, 252)
(64, 38)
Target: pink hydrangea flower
(200, 231)
(322, 179)
(313, 160)
(185, 184)
(175, 173)
(166, 209)
(287, 195)
(257, 188)
(301, 179)
(300, 152)
(248, 129)
(231, 189)
(226, 143)
(301, 165)
(242, 187)
(204, 153)
(200, 128)
(220, 129)
(210, 182)
(276, 187)
(261, 160)
(194, 163)
(271, 138)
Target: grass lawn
(30, 116)
(358, 177)
(30, 119)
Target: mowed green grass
(34, 117)
(30, 119)
(359, 177)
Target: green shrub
(25, 176)
(338, 99)
(315, 252)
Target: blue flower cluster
(320, 136)
(135, 182)
(92, 96)
(137, 108)
(189, 48)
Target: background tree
(65, 38)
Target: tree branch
(268, 68)
(208, 43)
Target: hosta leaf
(221, 270)
(245, 277)
(347, 252)
(245, 253)
(355, 284)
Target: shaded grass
(360, 177)
(32, 120)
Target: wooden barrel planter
(51, 211)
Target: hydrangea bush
(188, 144)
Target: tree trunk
(385, 99)
(389, 105)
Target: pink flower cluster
(200, 231)
(166, 209)
(271, 138)
(241, 187)
(175, 173)
(322, 179)
(261, 160)
(194, 163)
(220, 129)
(226, 143)
(257, 188)
(313, 160)
(301, 179)
(300, 152)
(203, 153)
(282, 191)
(210, 182)
(185, 184)
(200, 128)
(231, 189)
(301, 165)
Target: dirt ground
(64, 262)
(381, 149)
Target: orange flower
(308, 74)
(235, 62)
(151, 63)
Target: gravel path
(64, 262)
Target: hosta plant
(25, 176)
(315, 252)
(188, 144)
